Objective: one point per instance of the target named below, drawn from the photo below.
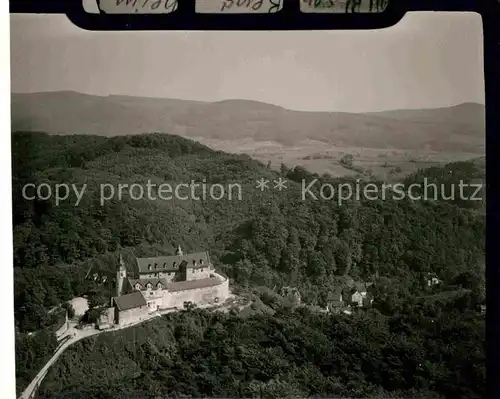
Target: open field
(319, 157)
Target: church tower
(121, 275)
(178, 251)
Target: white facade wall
(162, 299)
(358, 297)
(433, 281)
(154, 303)
(154, 298)
(169, 276)
(197, 296)
(198, 273)
(132, 315)
(191, 273)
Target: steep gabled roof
(362, 287)
(166, 263)
(335, 294)
(130, 301)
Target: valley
(387, 144)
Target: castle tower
(121, 275)
(178, 251)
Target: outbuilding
(130, 308)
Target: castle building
(165, 282)
(179, 267)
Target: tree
(189, 306)
(97, 298)
(283, 169)
(92, 315)
(274, 389)
(347, 161)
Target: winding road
(75, 335)
(31, 389)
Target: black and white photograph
(249, 214)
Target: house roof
(335, 294)
(130, 301)
(171, 263)
(353, 290)
(193, 284)
(144, 281)
(361, 286)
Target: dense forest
(433, 350)
(266, 239)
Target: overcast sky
(427, 60)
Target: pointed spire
(122, 262)
(178, 250)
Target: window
(165, 265)
(175, 264)
(156, 265)
(201, 261)
(148, 286)
(149, 266)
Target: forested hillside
(292, 354)
(269, 239)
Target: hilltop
(262, 242)
(455, 129)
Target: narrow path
(80, 334)
(31, 389)
(28, 392)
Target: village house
(292, 294)
(358, 294)
(355, 294)
(334, 301)
(164, 282)
(432, 280)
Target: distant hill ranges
(453, 129)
